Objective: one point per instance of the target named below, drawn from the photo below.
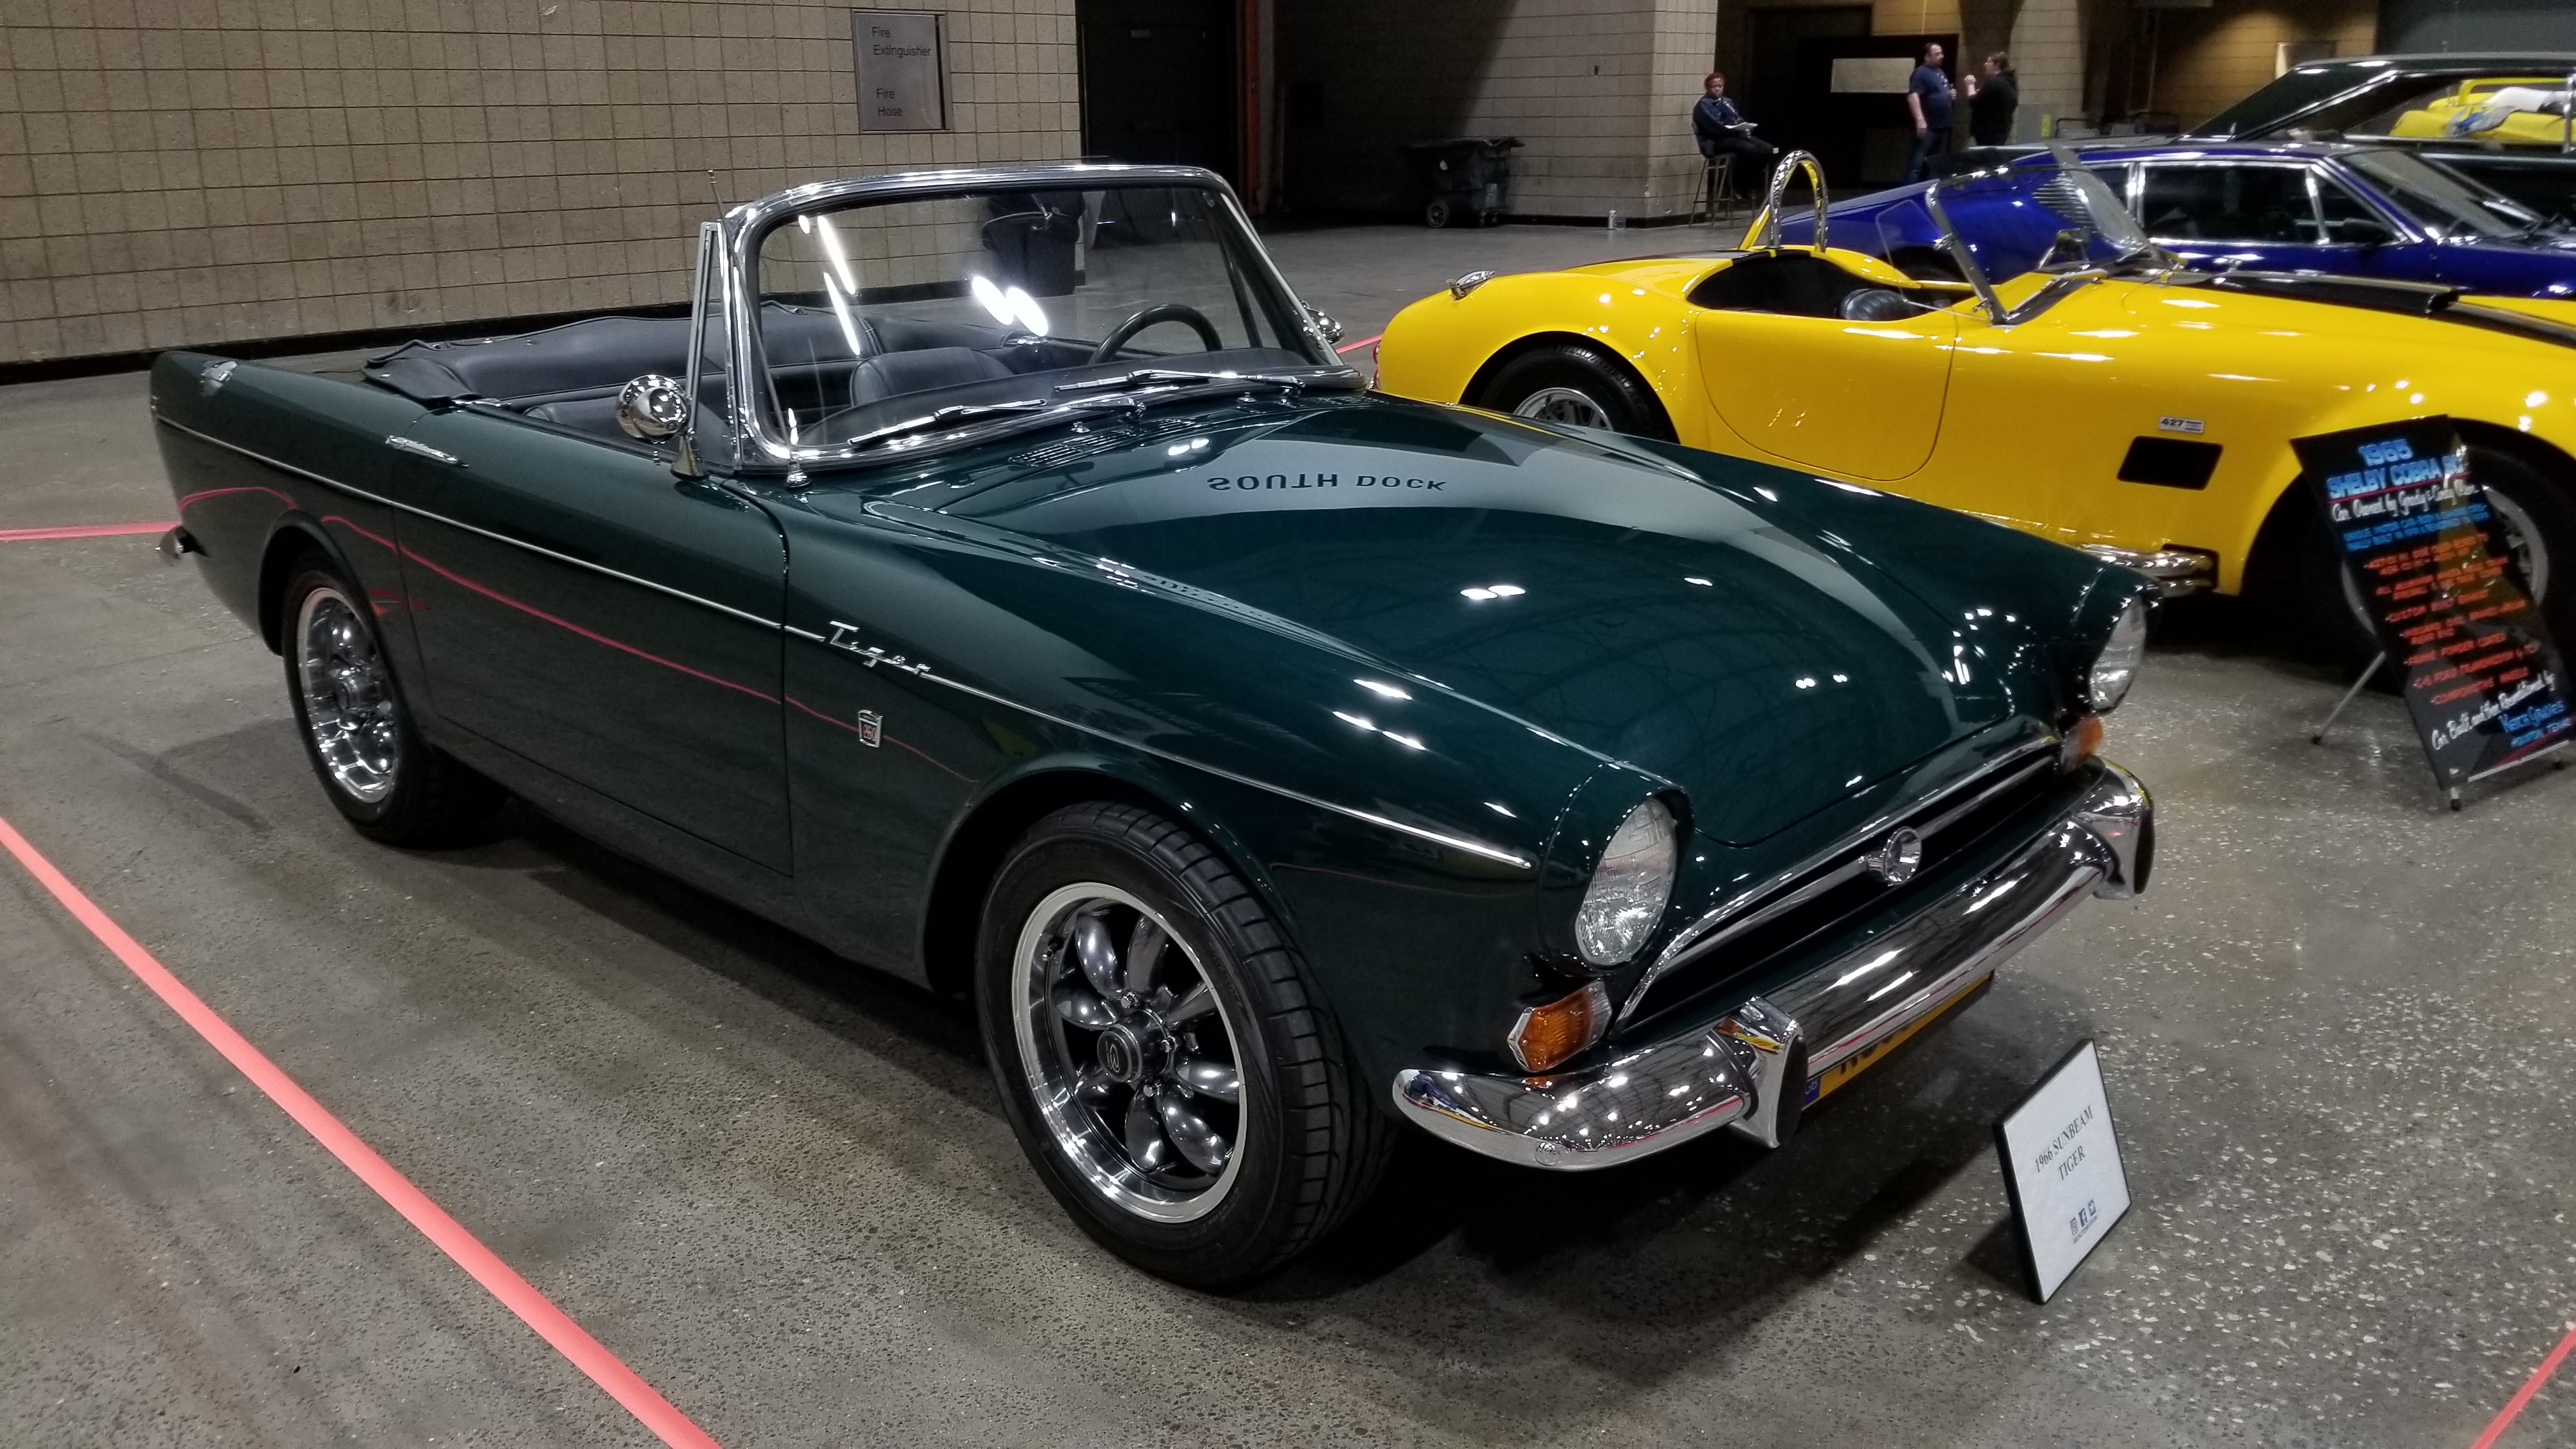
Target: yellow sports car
(2106, 400)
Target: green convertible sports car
(999, 579)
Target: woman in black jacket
(1993, 95)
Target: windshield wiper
(1149, 376)
(962, 413)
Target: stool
(1717, 189)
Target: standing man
(1721, 130)
(1992, 99)
(1928, 96)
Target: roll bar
(1767, 238)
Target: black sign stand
(2423, 547)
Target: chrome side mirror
(652, 407)
(1325, 326)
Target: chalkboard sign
(2483, 679)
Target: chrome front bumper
(1756, 1068)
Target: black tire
(379, 773)
(1438, 212)
(1305, 1144)
(1577, 385)
(2539, 523)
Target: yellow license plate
(1822, 1085)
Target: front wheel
(1575, 385)
(391, 784)
(1159, 1053)
(1438, 212)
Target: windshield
(2286, 96)
(2034, 216)
(2439, 201)
(875, 318)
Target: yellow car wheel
(1577, 385)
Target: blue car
(2329, 207)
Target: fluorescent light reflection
(841, 312)
(840, 258)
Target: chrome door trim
(400, 443)
(419, 512)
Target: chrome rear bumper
(1756, 1068)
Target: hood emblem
(1898, 857)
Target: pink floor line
(2531, 1386)
(1356, 346)
(84, 530)
(497, 1277)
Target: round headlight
(1630, 886)
(2116, 667)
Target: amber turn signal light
(2083, 742)
(1547, 1035)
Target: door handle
(423, 450)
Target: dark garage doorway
(1861, 137)
(1786, 108)
(1158, 82)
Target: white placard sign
(900, 70)
(2061, 1163)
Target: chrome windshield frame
(2098, 194)
(710, 254)
(758, 447)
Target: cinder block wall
(2209, 59)
(1600, 90)
(188, 172)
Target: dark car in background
(2501, 119)
(2297, 206)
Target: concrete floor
(2336, 1033)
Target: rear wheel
(357, 731)
(1438, 212)
(1159, 1053)
(1576, 385)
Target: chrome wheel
(2522, 539)
(1128, 1053)
(349, 707)
(1563, 405)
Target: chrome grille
(1836, 885)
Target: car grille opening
(1839, 888)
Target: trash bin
(1461, 178)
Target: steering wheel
(1144, 317)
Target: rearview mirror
(2070, 250)
(2361, 231)
(1324, 325)
(652, 407)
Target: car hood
(1594, 592)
